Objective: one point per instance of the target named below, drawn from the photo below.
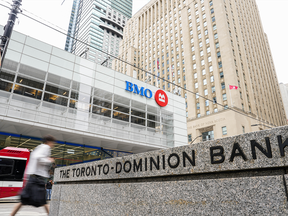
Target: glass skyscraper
(99, 24)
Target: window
(204, 16)
(213, 19)
(215, 110)
(203, 71)
(214, 27)
(196, 85)
(207, 40)
(199, 36)
(193, 57)
(206, 32)
(208, 49)
(215, 36)
(217, 45)
(243, 129)
(206, 102)
(203, 8)
(207, 112)
(220, 64)
(212, 10)
(204, 82)
(213, 89)
(189, 137)
(200, 44)
(214, 100)
(221, 75)
(218, 54)
(209, 135)
(202, 62)
(224, 96)
(223, 85)
(193, 48)
(194, 66)
(212, 79)
(211, 3)
(197, 106)
(201, 53)
(195, 75)
(197, 95)
(205, 91)
(209, 59)
(224, 130)
(198, 115)
(198, 20)
(205, 24)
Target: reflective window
(101, 111)
(27, 92)
(7, 75)
(5, 86)
(121, 108)
(28, 82)
(57, 90)
(55, 99)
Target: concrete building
(99, 24)
(284, 94)
(46, 90)
(206, 47)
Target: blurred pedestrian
(49, 185)
(37, 171)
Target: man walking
(49, 189)
(37, 170)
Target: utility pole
(8, 28)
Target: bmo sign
(160, 96)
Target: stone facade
(240, 175)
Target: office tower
(99, 24)
(72, 25)
(284, 94)
(214, 48)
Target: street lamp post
(195, 139)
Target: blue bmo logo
(136, 90)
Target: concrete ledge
(241, 175)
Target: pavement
(7, 207)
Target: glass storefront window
(139, 121)
(101, 111)
(137, 113)
(121, 116)
(57, 90)
(55, 99)
(102, 103)
(121, 108)
(7, 76)
(5, 86)
(28, 82)
(33, 93)
(81, 97)
(64, 154)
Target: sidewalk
(6, 208)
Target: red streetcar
(13, 162)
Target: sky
(272, 14)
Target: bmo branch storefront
(94, 112)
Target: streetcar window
(6, 166)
